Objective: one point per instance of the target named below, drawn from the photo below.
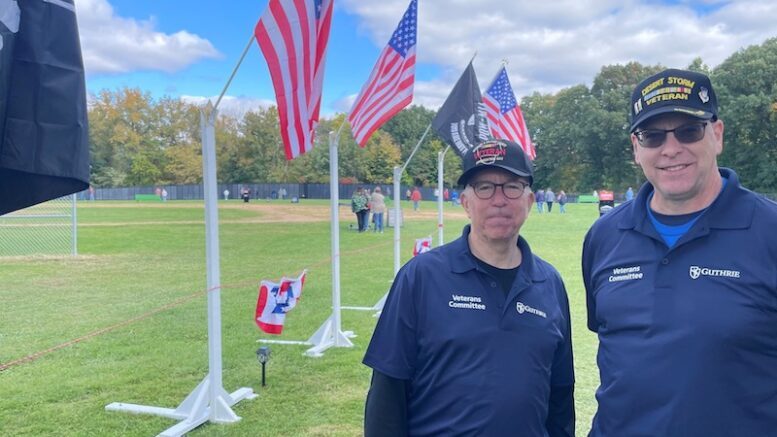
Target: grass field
(141, 273)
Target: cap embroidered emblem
(704, 95)
(489, 152)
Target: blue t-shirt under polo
(479, 362)
(687, 339)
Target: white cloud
(112, 44)
(342, 105)
(555, 44)
(231, 105)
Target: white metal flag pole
(440, 189)
(378, 307)
(397, 216)
(330, 334)
(208, 401)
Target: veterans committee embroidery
(466, 302)
(626, 274)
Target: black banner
(461, 121)
(44, 141)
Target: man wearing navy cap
(474, 338)
(681, 282)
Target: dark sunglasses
(687, 133)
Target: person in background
(474, 337)
(368, 217)
(226, 194)
(378, 208)
(550, 196)
(562, 201)
(416, 198)
(455, 198)
(359, 207)
(629, 194)
(681, 283)
(540, 200)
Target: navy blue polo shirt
(478, 362)
(688, 335)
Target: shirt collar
(728, 211)
(462, 260)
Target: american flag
(293, 35)
(390, 86)
(275, 300)
(504, 114)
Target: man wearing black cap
(681, 282)
(474, 338)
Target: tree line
(580, 133)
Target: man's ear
(635, 147)
(464, 200)
(717, 129)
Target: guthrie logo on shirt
(523, 308)
(696, 272)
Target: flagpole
(440, 187)
(234, 71)
(398, 171)
(208, 401)
(397, 176)
(499, 70)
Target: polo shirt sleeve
(587, 266)
(392, 350)
(561, 406)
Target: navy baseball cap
(680, 91)
(503, 154)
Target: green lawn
(135, 258)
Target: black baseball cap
(503, 154)
(672, 90)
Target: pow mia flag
(461, 121)
(44, 141)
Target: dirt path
(271, 213)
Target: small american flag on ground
(275, 300)
(422, 245)
(390, 86)
(504, 114)
(293, 35)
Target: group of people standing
(161, 193)
(680, 286)
(364, 203)
(547, 197)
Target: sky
(189, 48)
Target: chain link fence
(46, 229)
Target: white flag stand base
(328, 336)
(325, 337)
(195, 410)
(378, 307)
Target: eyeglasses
(485, 190)
(687, 133)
